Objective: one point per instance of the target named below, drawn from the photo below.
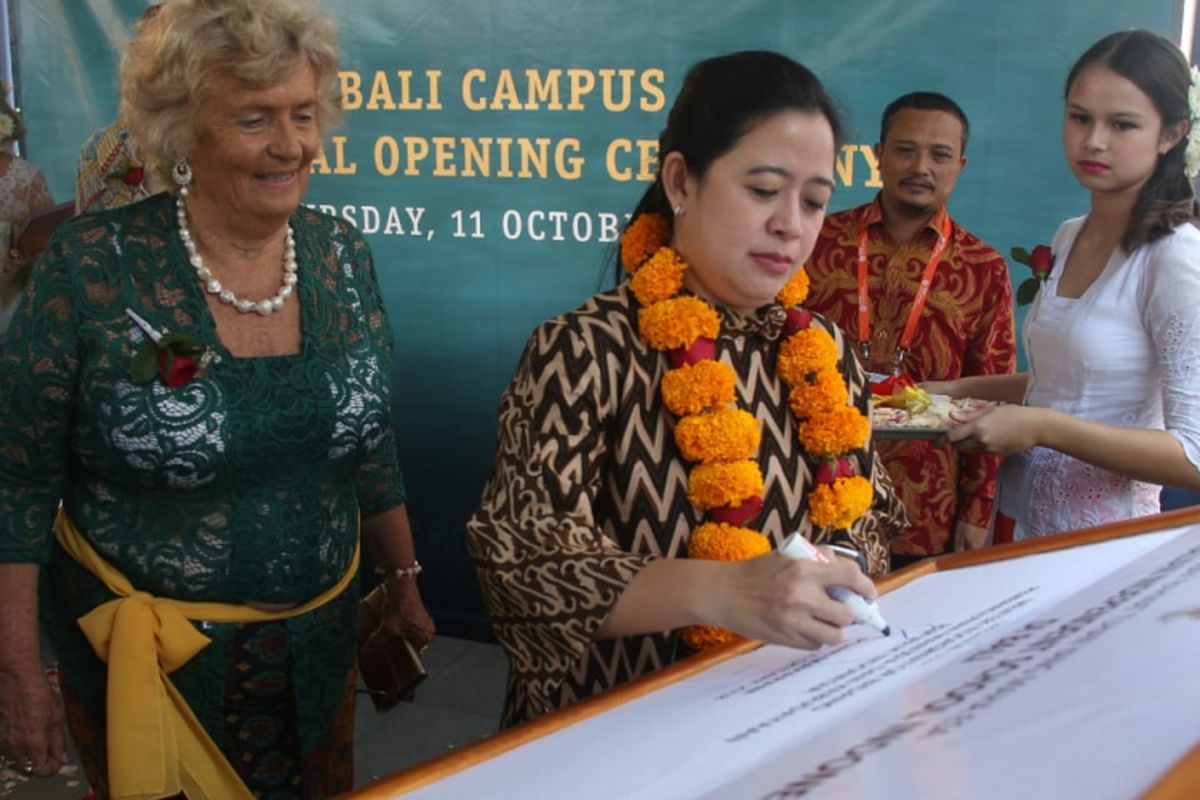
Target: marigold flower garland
(720, 439)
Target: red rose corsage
(1040, 261)
(175, 358)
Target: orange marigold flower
(659, 278)
(795, 291)
(727, 434)
(716, 541)
(840, 504)
(804, 352)
(644, 235)
(824, 393)
(723, 484)
(835, 432)
(678, 322)
(695, 387)
(720, 542)
(703, 637)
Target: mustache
(917, 182)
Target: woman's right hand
(785, 601)
(31, 722)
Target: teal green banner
(491, 150)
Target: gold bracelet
(401, 572)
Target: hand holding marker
(865, 611)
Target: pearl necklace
(213, 286)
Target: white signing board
(1062, 674)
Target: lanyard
(864, 297)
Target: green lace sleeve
(380, 484)
(39, 364)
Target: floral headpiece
(12, 127)
(722, 439)
(1191, 154)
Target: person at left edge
(963, 327)
(23, 195)
(109, 173)
(235, 475)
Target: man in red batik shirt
(866, 272)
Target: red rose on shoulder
(133, 176)
(1041, 260)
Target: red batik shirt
(966, 328)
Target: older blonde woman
(203, 379)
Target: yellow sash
(156, 746)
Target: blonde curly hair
(171, 66)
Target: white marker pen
(865, 611)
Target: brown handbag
(392, 671)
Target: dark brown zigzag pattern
(588, 485)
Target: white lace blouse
(1127, 352)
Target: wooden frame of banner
(1177, 784)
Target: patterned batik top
(109, 174)
(966, 328)
(588, 487)
(242, 485)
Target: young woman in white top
(1109, 410)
